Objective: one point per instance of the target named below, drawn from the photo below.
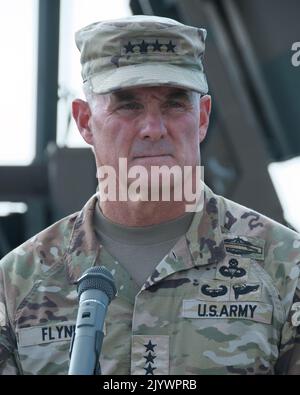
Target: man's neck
(142, 213)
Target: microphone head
(97, 277)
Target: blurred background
(251, 154)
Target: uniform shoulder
(27, 265)
(239, 219)
(273, 246)
(41, 251)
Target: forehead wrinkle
(137, 93)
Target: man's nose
(153, 126)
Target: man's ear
(205, 109)
(81, 113)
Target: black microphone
(96, 289)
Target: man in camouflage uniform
(210, 292)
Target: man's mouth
(151, 156)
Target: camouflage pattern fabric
(225, 300)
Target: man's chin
(159, 160)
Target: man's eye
(131, 106)
(175, 104)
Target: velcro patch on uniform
(233, 269)
(254, 311)
(246, 292)
(249, 247)
(211, 290)
(214, 290)
(150, 355)
(34, 335)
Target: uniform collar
(84, 247)
(202, 244)
(204, 237)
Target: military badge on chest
(234, 273)
(232, 292)
(233, 269)
(246, 291)
(214, 290)
(217, 290)
(247, 247)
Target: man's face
(149, 126)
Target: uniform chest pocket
(45, 349)
(231, 336)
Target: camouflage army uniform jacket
(223, 301)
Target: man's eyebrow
(180, 94)
(123, 96)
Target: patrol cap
(141, 51)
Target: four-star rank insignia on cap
(149, 46)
